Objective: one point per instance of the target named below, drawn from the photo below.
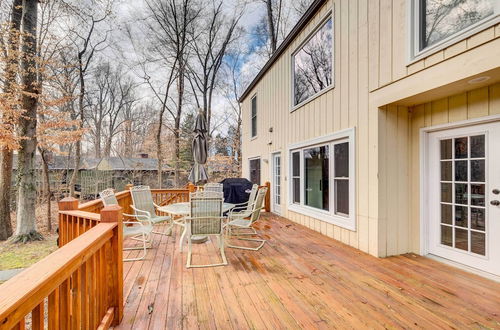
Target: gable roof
(125, 164)
(311, 11)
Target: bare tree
(26, 195)
(86, 45)
(171, 25)
(9, 77)
(213, 34)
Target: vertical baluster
(64, 305)
(76, 301)
(54, 310)
(91, 284)
(20, 326)
(84, 297)
(102, 280)
(37, 317)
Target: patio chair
(245, 209)
(206, 220)
(145, 208)
(241, 221)
(136, 230)
(215, 187)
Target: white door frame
(273, 205)
(427, 213)
(424, 170)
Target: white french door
(463, 194)
(276, 185)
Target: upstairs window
(313, 64)
(439, 21)
(254, 117)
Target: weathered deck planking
(300, 279)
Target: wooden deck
(302, 279)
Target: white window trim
(415, 54)
(253, 137)
(328, 15)
(327, 216)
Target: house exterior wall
(376, 88)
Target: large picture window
(322, 184)
(438, 21)
(313, 64)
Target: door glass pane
(477, 218)
(461, 147)
(461, 196)
(446, 171)
(446, 213)
(316, 164)
(443, 18)
(477, 170)
(446, 152)
(446, 235)
(461, 216)
(477, 146)
(342, 160)
(461, 170)
(446, 192)
(477, 194)
(478, 242)
(461, 239)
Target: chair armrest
(147, 214)
(134, 223)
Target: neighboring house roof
(58, 162)
(128, 164)
(311, 11)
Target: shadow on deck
(301, 279)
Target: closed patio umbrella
(200, 150)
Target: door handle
(495, 203)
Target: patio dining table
(182, 209)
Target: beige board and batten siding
(342, 107)
(375, 87)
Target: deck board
(300, 279)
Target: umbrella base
(198, 239)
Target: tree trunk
(270, 22)
(177, 128)
(26, 194)
(47, 193)
(6, 155)
(78, 149)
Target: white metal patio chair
(205, 219)
(136, 230)
(215, 187)
(245, 209)
(145, 208)
(239, 221)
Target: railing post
(128, 186)
(113, 213)
(191, 187)
(65, 204)
(268, 197)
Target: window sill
(347, 223)
(311, 98)
(253, 138)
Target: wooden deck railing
(82, 281)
